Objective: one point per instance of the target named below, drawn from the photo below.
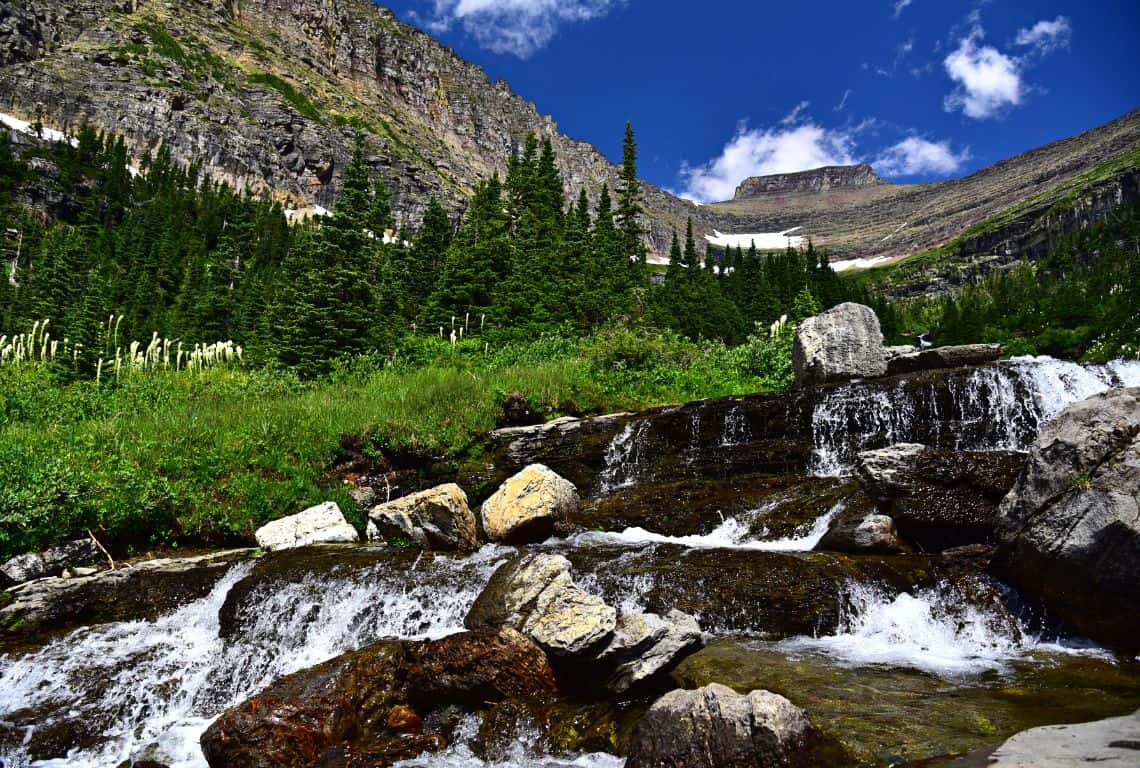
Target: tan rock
(530, 506)
(437, 519)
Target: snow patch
(764, 241)
(843, 266)
(23, 126)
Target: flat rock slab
(1110, 743)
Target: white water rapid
(933, 630)
(152, 688)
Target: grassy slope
(207, 458)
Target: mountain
(269, 93)
(954, 228)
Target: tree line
(163, 249)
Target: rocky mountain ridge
(815, 180)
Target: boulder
(940, 499)
(889, 472)
(368, 707)
(322, 524)
(869, 533)
(436, 519)
(1111, 742)
(1072, 521)
(646, 646)
(529, 506)
(944, 357)
(715, 727)
(50, 562)
(841, 344)
(536, 595)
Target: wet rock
(870, 533)
(436, 519)
(889, 472)
(645, 647)
(945, 357)
(51, 562)
(940, 499)
(1072, 536)
(1111, 742)
(341, 712)
(536, 595)
(715, 727)
(41, 609)
(322, 524)
(840, 344)
(529, 506)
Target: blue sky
(723, 89)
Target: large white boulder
(322, 524)
(841, 344)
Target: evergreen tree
(629, 208)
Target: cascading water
(736, 429)
(623, 456)
(935, 630)
(999, 407)
(152, 687)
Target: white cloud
(757, 152)
(988, 80)
(900, 6)
(843, 102)
(792, 117)
(518, 27)
(1046, 36)
(915, 156)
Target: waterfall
(623, 457)
(736, 429)
(152, 688)
(998, 407)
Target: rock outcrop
(944, 357)
(940, 499)
(715, 727)
(1112, 743)
(322, 524)
(435, 519)
(840, 344)
(808, 182)
(536, 595)
(1072, 535)
(368, 707)
(529, 506)
(646, 646)
(50, 562)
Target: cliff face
(269, 94)
(816, 180)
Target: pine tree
(629, 207)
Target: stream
(903, 655)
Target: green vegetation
(297, 100)
(207, 457)
(1081, 301)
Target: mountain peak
(815, 180)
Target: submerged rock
(536, 595)
(436, 519)
(840, 344)
(715, 727)
(1072, 534)
(50, 562)
(529, 506)
(322, 524)
(356, 708)
(645, 647)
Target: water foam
(733, 533)
(934, 630)
(154, 687)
